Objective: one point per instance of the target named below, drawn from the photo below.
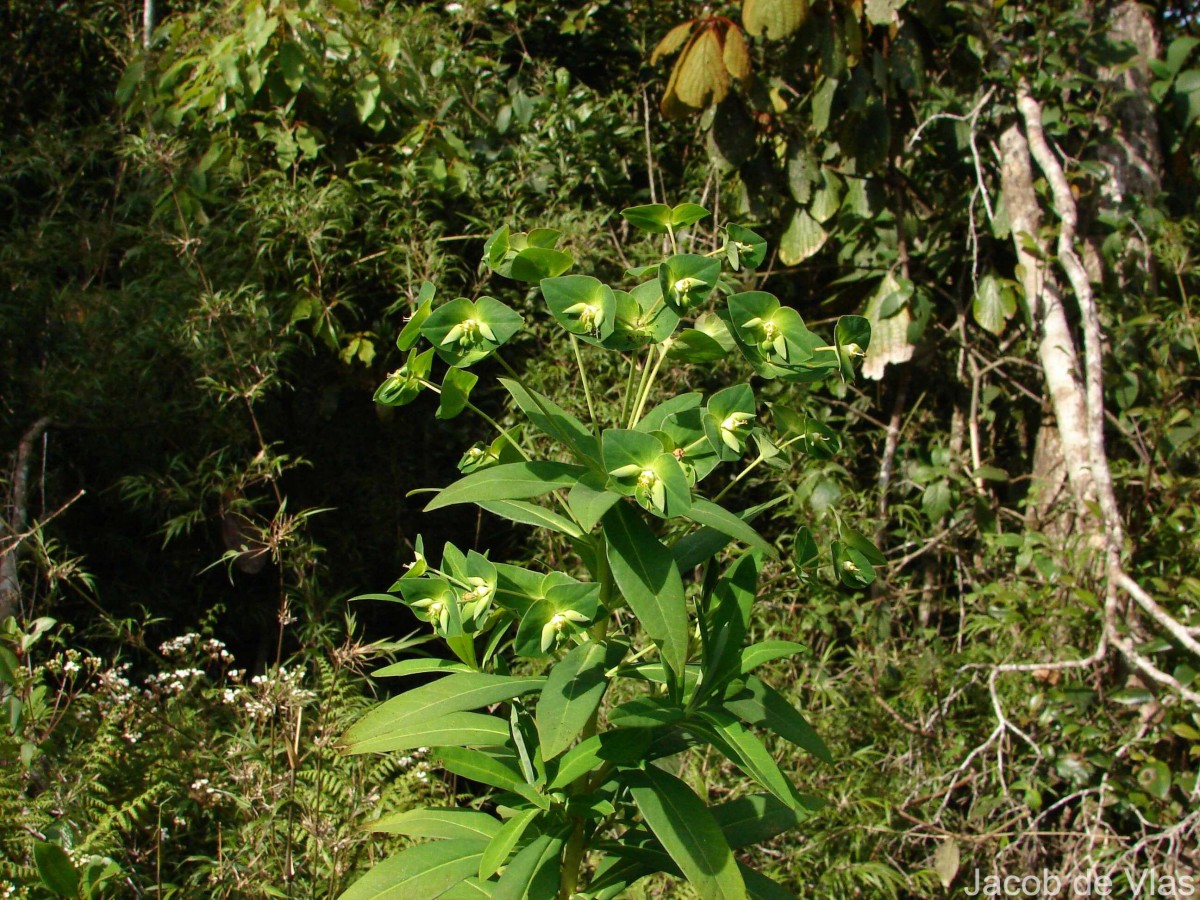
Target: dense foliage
(210, 244)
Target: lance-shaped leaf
(687, 831)
(754, 818)
(534, 872)
(582, 305)
(439, 824)
(530, 514)
(490, 770)
(554, 421)
(572, 692)
(426, 870)
(503, 842)
(742, 747)
(418, 711)
(804, 549)
(646, 574)
(515, 481)
(762, 653)
(756, 703)
(619, 746)
(705, 512)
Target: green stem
(587, 391)
(649, 383)
(750, 468)
(628, 388)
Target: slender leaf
(513, 481)
(759, 704)
(705, 512)
(440, 824)
(503, 842)
(489, 770)
(530, 514)
(534, 872)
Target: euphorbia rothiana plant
(572, 696)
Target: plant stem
(750, 468)
(628, 388)
(644, 389)
(587, 391)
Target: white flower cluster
(417, 760)
(114, 687)
(178, 645)
(202, 785)
(171, 683)
(269, 694)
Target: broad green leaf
(862, 544)
(776, 18)
(570, 696)
(804, 549)
(762, 653)
(534, 872)
(705, 512)
(759, 704)
(421, 709)
(514, 481)
(686, 280)
(754, 818)
(55, 869)
(535, 263)
(734, 597)
(851, 337)
(654, 419)
(646, 712)
(685, 827)
(751, 248)
(989, 306)
(654, 217)
(456, 388)
(503, 842)
(646, 574)
(487, 769)
(419, 666)
(686, 214)
(760, 887)
(439, 824)
(530, 514)
(695, 346)
(582, 305)
(469, 889)
(589, 500)
(425, 870)
(852, 567)
(463, 729)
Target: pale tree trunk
(1074, 380)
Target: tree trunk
(16, 517)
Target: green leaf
(411, 332)
(553, 420)
(439, 824)
(55, 869)
(419, 666)
(535, 263)
(426, 870)
(572, 692)
(534, 872)
(686, 280)
(695, 346)
(504, 841)
(750, 247)
(754, 818)
(582, 305)
(758, 704)
(705, 512)
(741, 746)
(700, 546)
(762, 653)
(530, 514)
(992, 306)
(686, 214)
(589, 500)
(777, 18)
(456, 388)
(646, 574)
(487, 769)
(804, 549)
(852, 567)
(513, 481)
(859, 542)
(620, 746)
(851, 337)
(654, 217)
(686, 829)
(428, 709)
(463, 729)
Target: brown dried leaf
(672, 41)
(737, 54)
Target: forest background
(214, 230)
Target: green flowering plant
(568, 697)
